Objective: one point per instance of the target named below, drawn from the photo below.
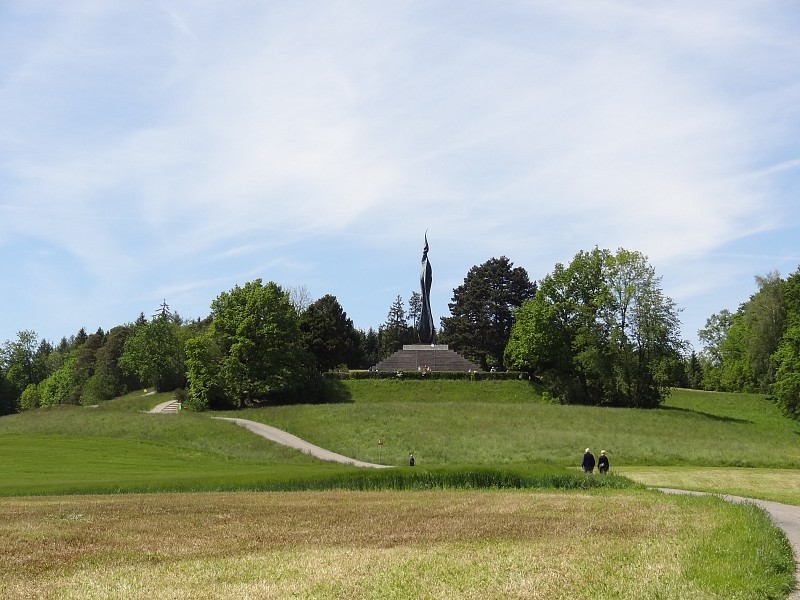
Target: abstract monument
(425, 326)
(425, 356)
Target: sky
(167, 151)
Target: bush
(30, 398)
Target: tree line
(757, 347)
(599, 331)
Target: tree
(765, 320)
(600, 331)
(300, 298)
(787, 380)
(108, 379)
(86, 355)
(712, 337)
(739, 348)
(8, 400)
(414, 309)
(395, 331)
(329, 334)
(483, 311)
(154, 354)
(558, 334)
(203, 366)
(18, 360)
(60, 386)
(369, 348)
(787, 357)
(252, 350)
(694, 371)
(644, 326)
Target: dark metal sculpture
(425, 327)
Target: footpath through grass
(447, 544)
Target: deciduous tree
(253, 348)
(329, 334)
(600, 331)
(787, 357)
(155, 354)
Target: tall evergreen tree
(369, 348)
(414, 309)
(483, 311)
(395, 331)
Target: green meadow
(112, 502)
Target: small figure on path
(602, 462)
(588, 461)
(411, 460)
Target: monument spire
(425, 328)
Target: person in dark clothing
(411, 460)
(602, 462)
(588, 461)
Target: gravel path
(287, 439)
(785, 516)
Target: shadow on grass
(708, 415)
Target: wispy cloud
(171, 143)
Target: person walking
(602, 462)
(588, 461)
(411, 460)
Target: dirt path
(287, 439)
(785, 516)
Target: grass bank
(507, 423)
(448, 544)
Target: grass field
(444, 544)
(118, 447)
(616, 541)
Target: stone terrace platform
(419, 357)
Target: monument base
(426, 347)
(425, 357)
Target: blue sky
(169, 150)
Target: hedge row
(417, 375)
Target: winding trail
(785, 516)
(287, 439)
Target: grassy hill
(447, 424)
(463, 422)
